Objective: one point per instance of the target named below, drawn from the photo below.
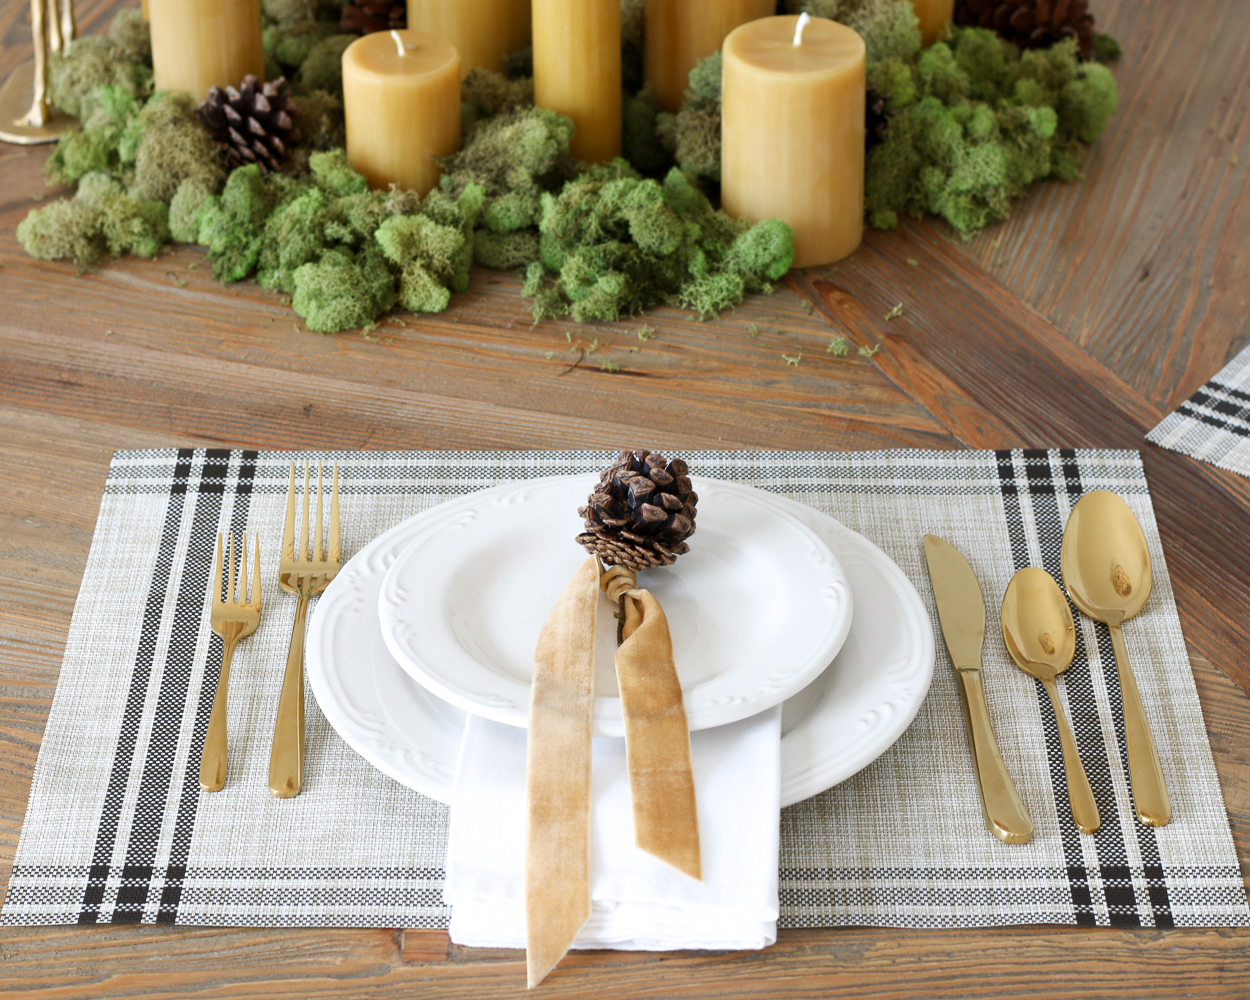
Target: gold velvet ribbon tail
(557, 777)
(657, 737)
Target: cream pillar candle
(198, 44)
(483, 31)
(577, 71)
(934, 16)
(401, 99)
(792, 132)
(681, 32)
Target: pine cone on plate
(641, 513)
(1032, 24)
(252, 124)
(367, 16)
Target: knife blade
(961, 610)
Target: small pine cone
(1032, 24)
(641, 513)
(253, 124)
(368, 16)
(875, 116)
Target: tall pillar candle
(681, 32)
(483, 31)
(401, 99)
(934, 16)
(199, 44)
(792, 132)
(577, 71)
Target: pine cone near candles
(1032, 24)
(641, 513)
(368, 16)
(252, 124)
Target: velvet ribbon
(657, 749)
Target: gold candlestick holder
(26, 116)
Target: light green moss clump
(620, 243)
(76, 75)
(974, 123)
(129, 32)
(322, 67)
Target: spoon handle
(1080, 795)
(1150, 793)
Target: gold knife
(961, 609)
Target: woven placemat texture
(1214, 423)
(117, 830)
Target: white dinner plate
(840, 723)
(757, 608)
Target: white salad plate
(757, 608)
(847, 717)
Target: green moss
(980, 122)
(322, 68)
(332, 173)
(506, 251)
(342, 291)
(290, 44)
(129, 32)
(63, 230)
(97, 146)
(184, 209)
(484, 95)
(641, 140)
(173, 147)
(293, 236)
(231, 224)
(76, 75)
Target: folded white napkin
(637, 901)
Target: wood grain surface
(1080, 321)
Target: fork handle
(286, 760)
(213, 756)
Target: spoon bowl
(1040, 636)
(1106, 568)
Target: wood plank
(1144, 262)
(1043, 392)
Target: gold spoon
(1106, 569)
(1038, 631)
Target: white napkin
(637, 901)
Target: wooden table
(1094, 311)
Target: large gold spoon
(1106, 569)
(1040, 636)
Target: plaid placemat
(117, 830)
(1214, 423)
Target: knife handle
(1005, 815)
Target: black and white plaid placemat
(117, 830)
(1214, 423)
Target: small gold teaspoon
(1040, 636)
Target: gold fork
(232, 618)
(304, 577)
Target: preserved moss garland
(971, 123)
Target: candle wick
(399, 43)
(804, 20)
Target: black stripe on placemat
(123, 755)
(1185, 410)
(155, 779)
(189, 795)
(1078, 877)
(1228, 390)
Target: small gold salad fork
(304, 577)
(232, 619)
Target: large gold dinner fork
(232, 619)
(304, 577)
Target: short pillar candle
(401, 99)
(483, 31)
(934, 16)
(200, 44)
(577, 71)
(792, 132)
(679, 33)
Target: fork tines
(333, 550)
(237, 588)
